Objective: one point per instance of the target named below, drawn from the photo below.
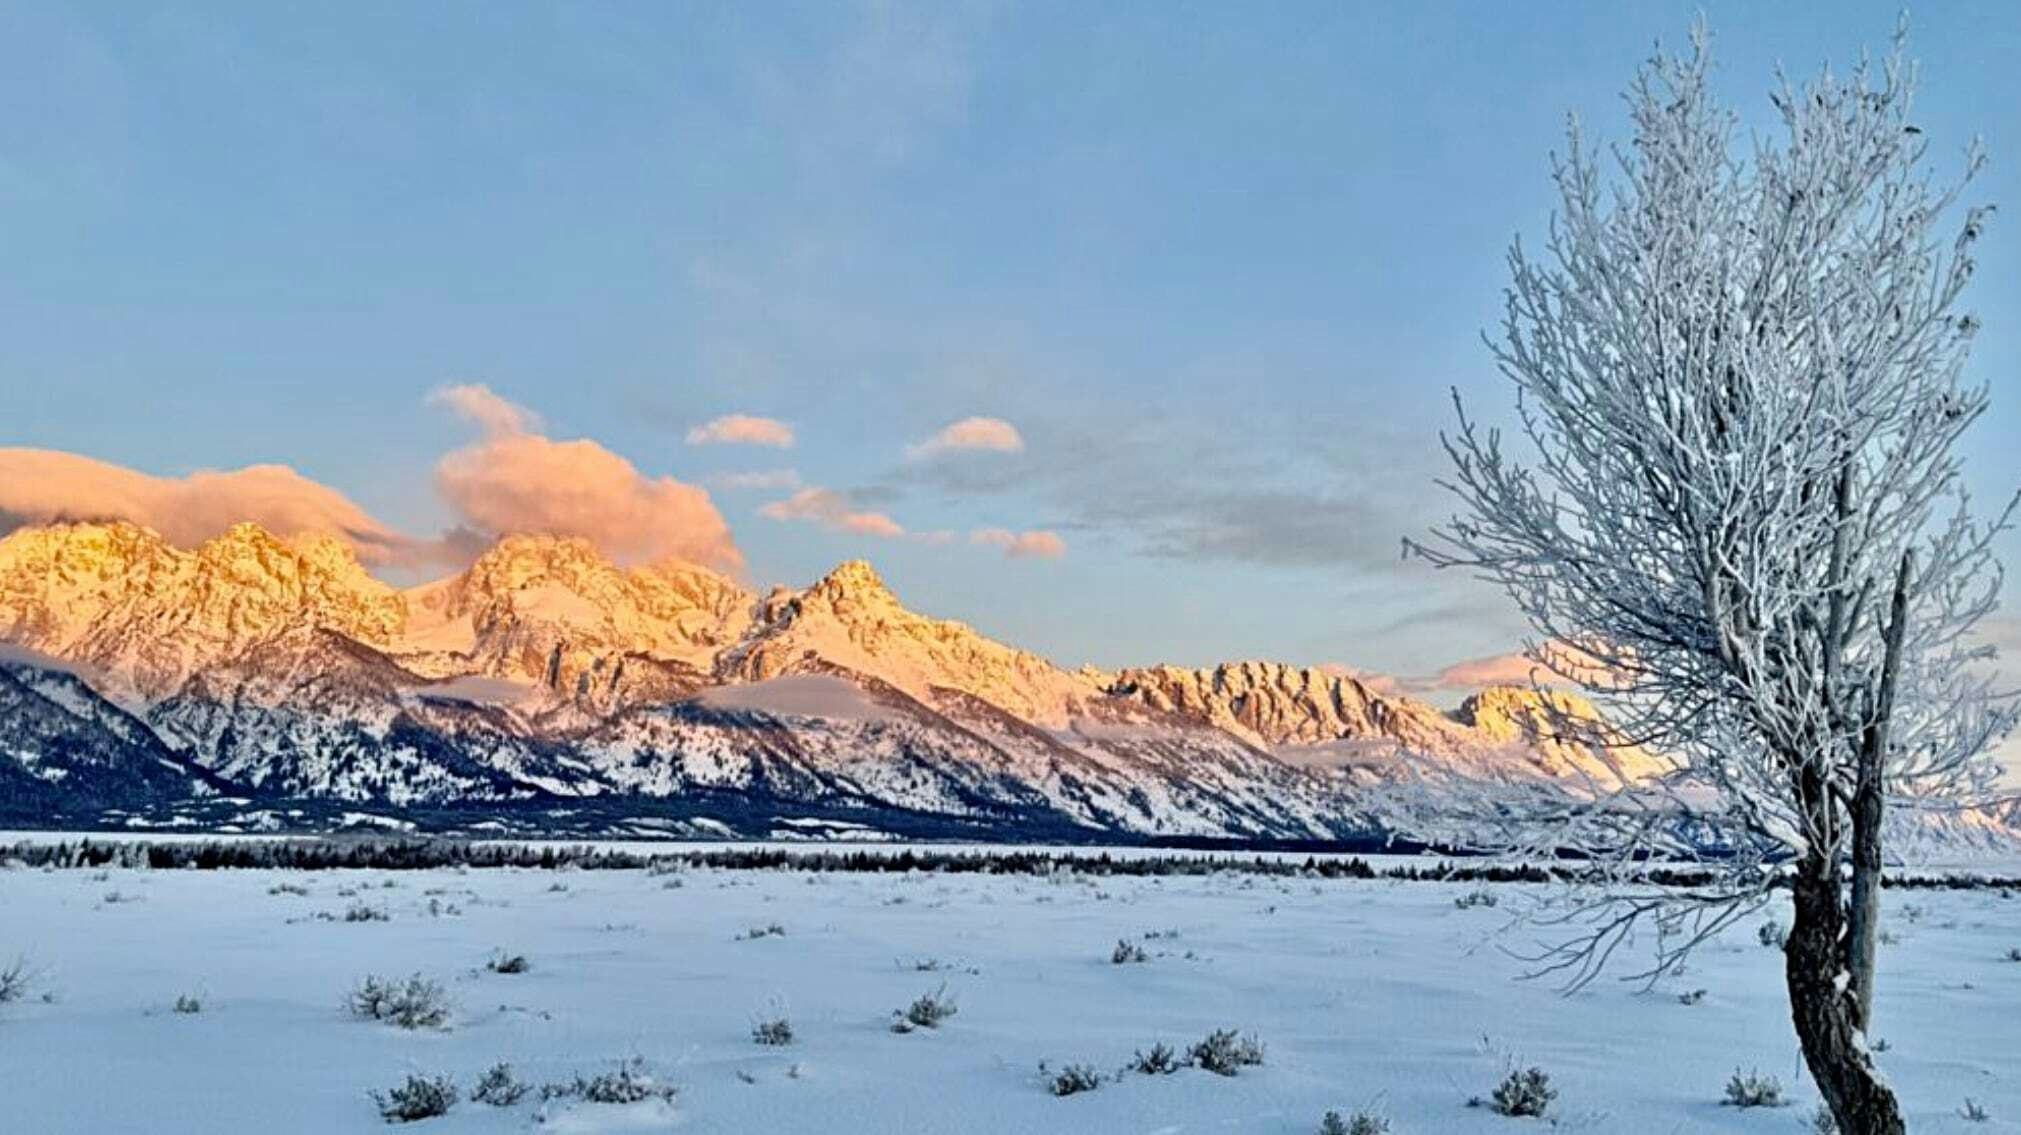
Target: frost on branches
(1740, 522)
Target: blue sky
(1219, 269)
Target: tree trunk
(1868, 810)
(1826, 1008)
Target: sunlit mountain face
(543, 680)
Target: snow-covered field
(1367, 994)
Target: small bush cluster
(415, 1003)
(420, 1097)
(2014, 954)
(1772, 934)
(1973, 1112)
(1159, 1061)
(365, 912)
(1071, 1080)
(770, 930)
(502, 962)
(1479, 896)
(1360, 1123)
(627, 1083)
(15, 981)
(1522, 1093)
(498, 1087)
(1753, 1089)
(189, 1003)
(1224, 1053)
(928, 1011)
(1127, 951)
(1691, 997)
(288, 889)
(774, 1031)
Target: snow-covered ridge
(546, 672)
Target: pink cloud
(743, 429)
(989, 434)
(39, 486)
(1021, 545)
(832, 511)
(517, 481)
(475, 402)
(1518, 669)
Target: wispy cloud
(481, 406)
(759, 479)
(743, 429)
(992, 435)
(1037, 544)
(831, 510)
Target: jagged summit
(121, 599)
(544, 671)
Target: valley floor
(1369, 994)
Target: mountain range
(262, 682)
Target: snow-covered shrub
(1224, 1053)
(416, 1003)
(1772, 934)
(1973, 1112)
(1360, 1123)
(2014, 954)
(926, 1012)
(15, 981)
(421, 1097)
(502, 962)
(1159, 1061)
(1525, 1092)
(288, 889)
(1479, 896)
(1127, 951)
(499, 1087)
(189, 1003)
(1753, 1090)
(1692, 997)
(772, 1031)
(770, 930)
(1071, 1080)
(628, 1083)
(365, 912)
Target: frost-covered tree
(1740, 522)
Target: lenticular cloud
(39, 486)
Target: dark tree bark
(1867, 806)
(1826, 1008)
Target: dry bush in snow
(1225, 1053)
(1360, 1123)
(1073, 1079)
(1753, 1090)
(15, 981)
(420, 1097)
(927, 1011)
(1525, 1092)
(498, 1087)
(502, 962)
(416, 1003)
(628, 1083)
(1159, 1061)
